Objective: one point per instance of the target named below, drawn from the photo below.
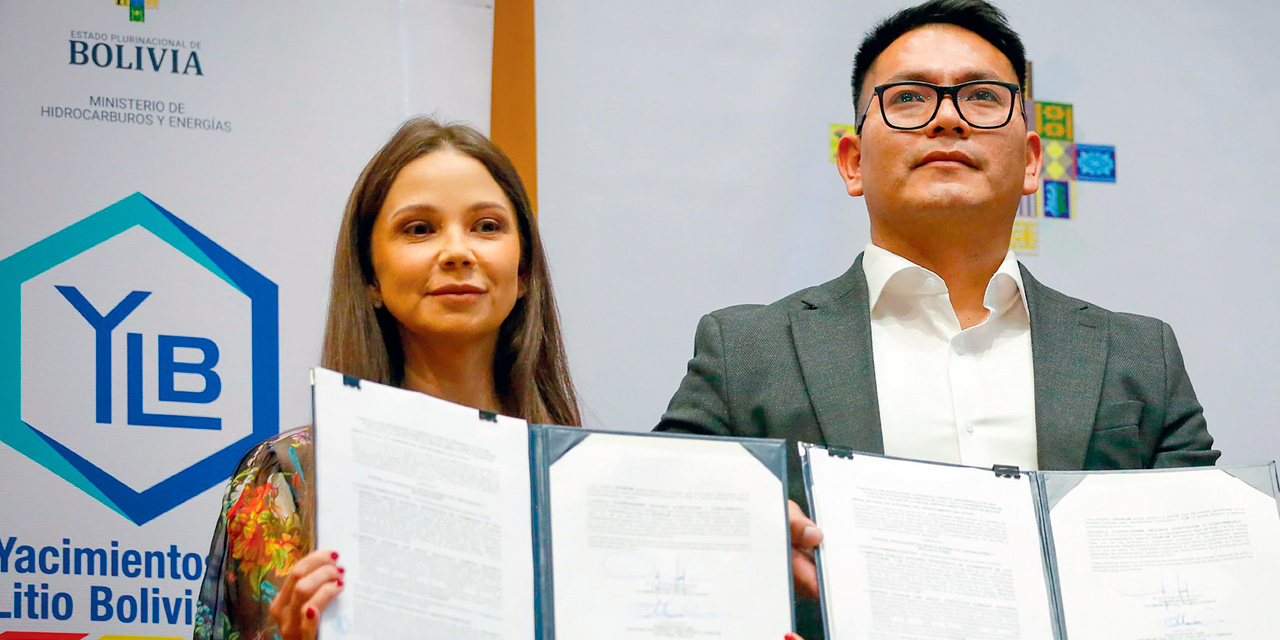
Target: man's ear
(1035, 160)
(849, 162)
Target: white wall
(683, 167)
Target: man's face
(948, 167)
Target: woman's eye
(488, 225)
(418, 228)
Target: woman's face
(446, 250)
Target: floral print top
(267, 524)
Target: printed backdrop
(172, 174)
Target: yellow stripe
(513, 120)
(141, 638)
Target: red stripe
(37, 635)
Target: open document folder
(457, 523)
(923, 550)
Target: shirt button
(968, 428)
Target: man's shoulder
(779, 312)
(1090, 313)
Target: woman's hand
(805, 536)
(312, 583)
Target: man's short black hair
(978, 16)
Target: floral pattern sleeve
(266, 525)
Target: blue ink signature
(1181, 605)
(668, 594)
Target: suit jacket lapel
(832, 334)
(1069, 357)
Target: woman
(440, 285)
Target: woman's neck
(458, 372)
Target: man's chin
(954, 195)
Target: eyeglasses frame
(942, 92)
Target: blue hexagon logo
(139, 360)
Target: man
(936, 344)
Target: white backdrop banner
(726, 192)
(172, 174)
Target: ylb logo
(141, 359)
(169, 367)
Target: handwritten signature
(1180, 605)
(666, 593)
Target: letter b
(170, 367)
(138, 416)
(79, 52)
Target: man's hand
(312, 584)
(805, 536)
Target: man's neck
(966, 264)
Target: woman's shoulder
(287, 455)
(298, 437)
(291, 440)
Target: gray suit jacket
(1110, 388)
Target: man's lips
(947, 157)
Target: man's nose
(948, 116)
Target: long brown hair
(530, 369)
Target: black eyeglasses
(984, 104)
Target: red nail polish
(341, 570)
(792, 636)
(334, 555)
(339, 583)
(311, 613)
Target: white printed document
(457, 523)
(926, 550)
(428, 504)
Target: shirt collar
(882, 266)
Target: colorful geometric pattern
(838, 131)
(1059, 160)
(138, 8)
(1056, 200)
(1054, 121)
(1025, 238)
(1095, 163)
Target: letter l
(102, 327)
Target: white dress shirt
(946, 394)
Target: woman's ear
(375, 295)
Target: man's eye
(908, 96)
(984, 95)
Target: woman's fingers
(305, 579)
(308, 585)
(316, 606)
